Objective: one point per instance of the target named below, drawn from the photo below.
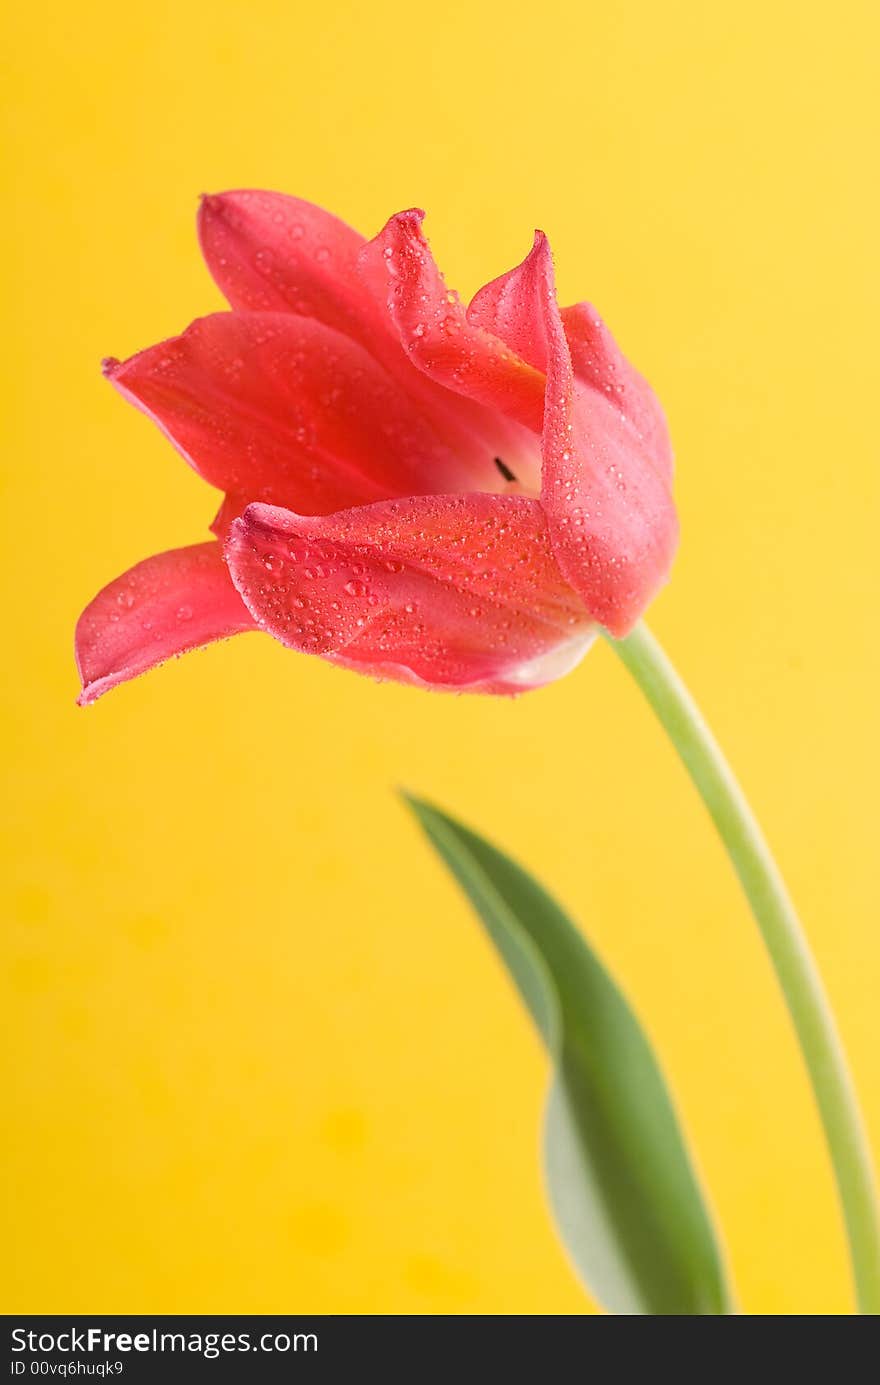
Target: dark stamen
(505, 470)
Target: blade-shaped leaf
(621, 1184)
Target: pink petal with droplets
(165, 605)
(604, 488)
(597, 361)
(434, 329)
(508, 307)
(280, 408)
(454, 592)
(273, 253)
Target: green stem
(785, 943)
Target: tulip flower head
(452, 496)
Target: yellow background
(260, 1055)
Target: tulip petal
(609, 510)
(269, 252)
(434, 328)
(597, 361)
(166, 605)
(450, 591)
(607, 457)
(610, 514)
(284, 409)
(509, 307)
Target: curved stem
(786, 944)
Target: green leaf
(621, 1184)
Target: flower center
(504, 469)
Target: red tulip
(446, 495)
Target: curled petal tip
(237, 529)
(210, 202)
(92, 691)
(215, 210)
(541, 255)
(109, 366)
(409, 220)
